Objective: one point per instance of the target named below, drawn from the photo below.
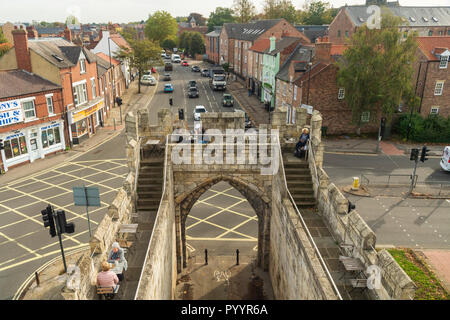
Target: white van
(176, 58)
(445, 160)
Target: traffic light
(351, 207)
(414, 154)
(1, 145)
(47, 217)
(64, 227)
(424, 154)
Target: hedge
(433, 128)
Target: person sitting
(117, 254)
(107, 278)
(300, 147)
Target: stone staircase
(300, 185)
(149, 189)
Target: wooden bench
(107, 292)
(358, 283)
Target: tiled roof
(337, 49)
(249, 31)
(55, 31)
(119, 40)
(105, 57)
(301, 53)
(282, 44)
(260, 45)
(415, 16)
(313, 31)
(428, 45)
(19, 82)
(315, 69)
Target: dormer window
(435, 19)
(412, 19)
(444, 62)
(82, 66)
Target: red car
(153, 70)
(185, 64)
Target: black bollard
(171, 101)
(206, 257)
(237, 257)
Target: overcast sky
(136, 10)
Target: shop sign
(20, 134)
(10, 112)
(86, 112)
(50, 126)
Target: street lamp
(114, 81)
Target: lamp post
(114, 81)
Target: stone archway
(259, 202)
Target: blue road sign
(86, 196)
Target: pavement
(439, 261)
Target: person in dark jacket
(301, 147)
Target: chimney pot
(21, 48)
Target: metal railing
(440, 183)
(136, 175)
(157, 216)
(330, 278)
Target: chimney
(68, 34)
(323, 49)
(272, 43)
(21, 48)
(32, 32)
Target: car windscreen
(192, 89)
(200, 110)
(219, 77)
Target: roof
(312, 31)
(282, 44)
(337, 49)
(249, 31)
(102, 65)
(119, 40)
(300, 54)
(106, 58)
(20, 82)
(432, 46)
(260, 45)
(415, 16)
(315, 69)
(55, 31)
(214, 33)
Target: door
(34, 152)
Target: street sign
(309, 109)
(87, 197)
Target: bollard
(237, 257)
(206, 257)
(37, 279)
(114, 124)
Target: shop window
(29, 109)
(15, 147)
(50, 137)
(82, 127)
(51, 109)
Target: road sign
(87, 197)
(309, 109)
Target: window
(256, 57)
(80, 94)
(365, 116)
(448, 32)
(50, 137)
(50, 108)
(339, 33)
(438, 88)
(295, 93)
(284, 88)
(434, 110)
(444, 62)
(94, 89)
(346, 33)
(29, 109)
(15, 147)
(82, 66)
(440, 33)
(430, 33)
(288, 114)
(341, 93)
(245, 59)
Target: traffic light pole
(413, 176)
(58, 228)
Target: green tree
(169, 44)
(160, 26)
(196, 44)
(4, 45)
(129, 33)
(184, 40)
(2, 37)
(244, 10)
(317, 13)
(141, 55)
(277, 9)
(376, 2)
(219, 17)
(377, 69)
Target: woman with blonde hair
(107, 278)
(300, 147)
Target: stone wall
(223, 120)
(350, 228)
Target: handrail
(136, 174)
(157, 216)
(310, 150)
(304, 224)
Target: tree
(4, 45)
(169, 44)
(199, 19)
(129, 33)
(377, 69)
(278, 9)
(376, 2)
(219, 17)
(160, 26)
(141, 55)
(317, 13)
(244, 10)
(192, 42)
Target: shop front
(83, 123)
(31, 143)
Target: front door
(34, 154)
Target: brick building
(31, 118)
(433, 76)
(426, 21)
(112, 80)
(212, 45)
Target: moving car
(185, 63)
(227, 100)
(168, 87)
(205, 73)
(148, 80)
(192, 83)
(445, 160)
(198, 111)
(167, 77)
(195, 69)
(176, 58)
(193, 92)
(168, 66)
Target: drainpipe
(424, 85)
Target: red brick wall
(21, 48)
(343, 23)
(429, 99)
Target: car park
(445, 160)
(167, 77)
(205, 73)
(198, 111)
(227, 100)
(195, 69)
(168, 87)
(193, 92)
(185, 63)
(148, 80)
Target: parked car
(148, 80)
(198, 111)
(195, 69)
(192, 83)
(168, 87)
(167, 77)
(248, 122)
(445, 160)
(227, 100)
(153, 70)
(185, 63)
(193, 92)
(176, 60)
(147, 73)
(168, 66)
(205, 73)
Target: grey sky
(136, 10)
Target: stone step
(288, 167)
(303, 198)
(149, 181)
(149, 187)
(308, 195)
(152, 208)
(157, 175)
(294, 177)
(152, 162)
(298, 182)
(305, 204)
(301, 190)
(150, 202)
(150, 193)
